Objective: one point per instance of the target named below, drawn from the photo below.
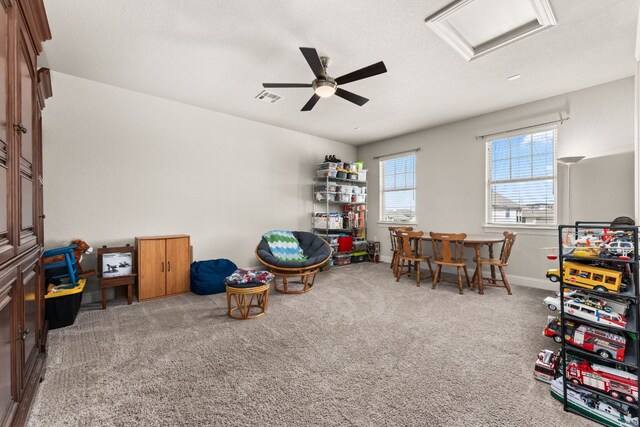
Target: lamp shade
(570, 160)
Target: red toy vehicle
(546, 368)
(618, 384)
(605, 344)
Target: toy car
(605, 344)
(606, 304)
(587, 276)
(585, 312)
(615, 382)
(547, 364)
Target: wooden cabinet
(163, 265)
(23, 29)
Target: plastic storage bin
(359, 256)
(323, 196)
(342, 259)
(330, 186)
(362, 175)
(358, 198)
(359, 245)
(334, 222)
(61, 308)
(323, 173)
(344, 198)
(328, 165)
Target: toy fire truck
(547, 363)
(616, 383)
(605, 344)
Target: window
(521, 179)
(398, 189)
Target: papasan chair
(317, 252)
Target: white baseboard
(529, 282)
(385, 258)
(533, 282)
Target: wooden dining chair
(409, 252)
(500, 263)
(448, 250)
(394, 244)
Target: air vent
(269, 97)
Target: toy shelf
(327, 188)
(604, 395)
(339, 230)
(605, 243)
(320, 181)
(630, 357)
(628, 295)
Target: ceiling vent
(476, 27)
(269, 97)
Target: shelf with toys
(340, 209)
(595, 374)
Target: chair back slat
(448, 247)
(409, 243)
(509, 240)
(394, 239)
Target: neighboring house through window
(398, 189)
(521, 178)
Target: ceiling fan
(324, 86)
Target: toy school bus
(586, 276)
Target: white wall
(451, 168)
(120, 164)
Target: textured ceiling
(216, 54)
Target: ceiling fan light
(324, 88)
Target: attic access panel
(476, 27)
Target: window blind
(521, 179)
(398, 189)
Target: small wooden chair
(394, 244)
(409, 249)
(501, 263)
(127, 280)
(448, 249)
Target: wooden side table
(114, 281)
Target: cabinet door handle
(163, 266)
(168, 265)
(20, 128)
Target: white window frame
(488, 226)
(381, 188)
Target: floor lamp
(571, 160)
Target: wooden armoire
(23, 89)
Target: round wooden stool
(243, 296)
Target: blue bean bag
(207, 277)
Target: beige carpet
(359, 350)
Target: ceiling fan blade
(286, 85)
(363, 73)
(311, 55)
(352, 97)
(311, 103)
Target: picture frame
(117, 264)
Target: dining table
(477, 241)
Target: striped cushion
(284, 245)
